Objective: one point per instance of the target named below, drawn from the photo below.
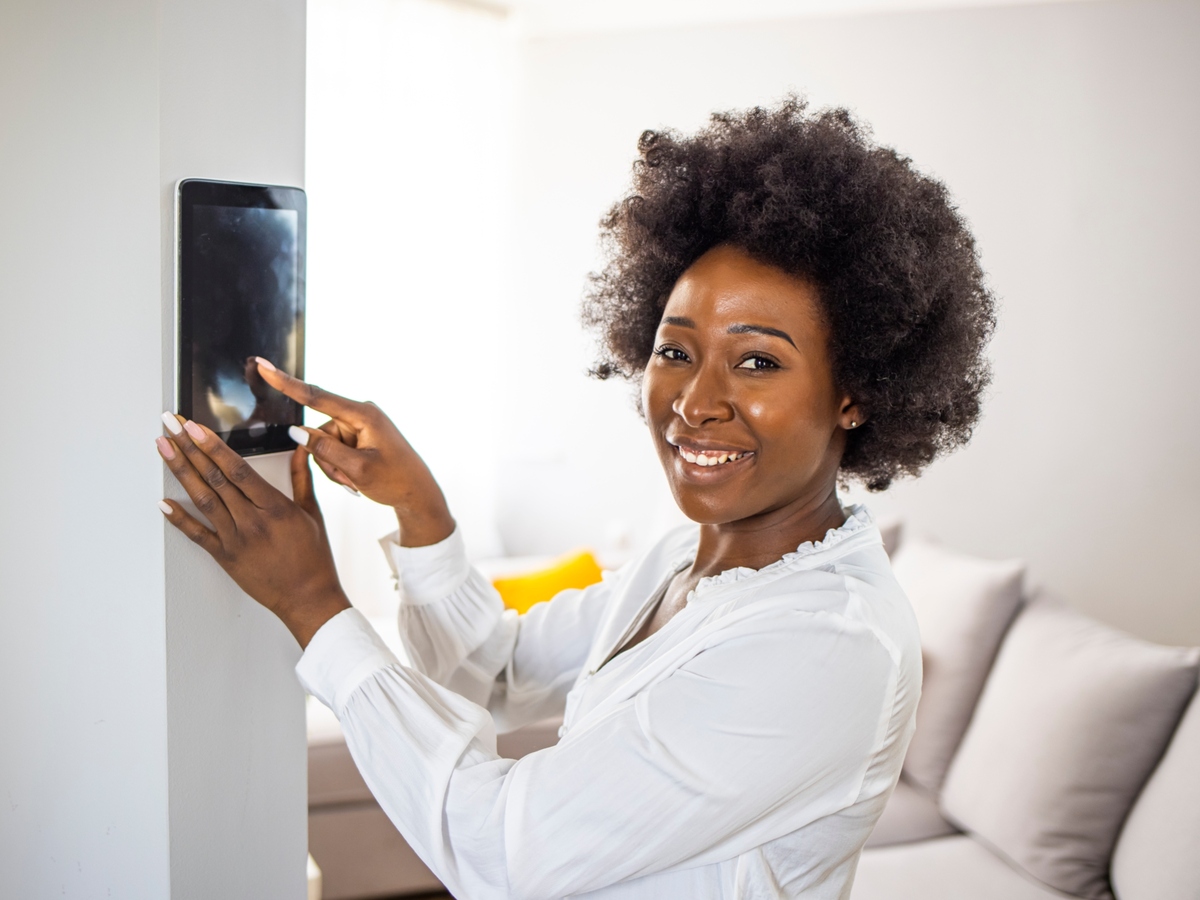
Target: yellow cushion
(575, 570)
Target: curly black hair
(811, 193)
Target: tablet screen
(241, 296)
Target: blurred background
(460, 154)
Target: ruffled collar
(858, 519)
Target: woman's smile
(703, 456)
(700, 464)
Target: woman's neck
(759, 541)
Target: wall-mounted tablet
(240, 295)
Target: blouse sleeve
(458, 633)
(751, 739)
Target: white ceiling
(548, 17)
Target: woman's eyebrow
(684, 322)
(761, 329)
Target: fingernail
(172, 423)
(164, 447)
(299, 435)
(266, 364)
(194, 430)
(165, 507)
(351, 490)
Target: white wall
(1067, 132)
(153, 732)
(83, 765)
(231, 107)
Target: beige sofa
(1073, 770)
(1054, 757)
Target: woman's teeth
(710, 457)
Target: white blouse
(744, 750)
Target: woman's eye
(671, 353)
(757, 363)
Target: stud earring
(853, 424)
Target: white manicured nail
(351, 490)
(299, 435)
(265, 363)
(165, 507)
(172, 423)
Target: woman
(799, 306)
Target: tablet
(240, 294)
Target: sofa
(1053, 757)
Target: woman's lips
(710, 457)
(708, 463)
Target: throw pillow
(575, 570)
(1073, 719)
(1155, 857)
(964, 605)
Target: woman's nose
(703, 398)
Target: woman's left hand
(275, 549)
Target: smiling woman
(800, 307)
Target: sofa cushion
(577, 569)
(910, 815)
(333, 778)
(1155, 857)
(361, 854)
(1073, 718)
(964, 605)
(949, 868)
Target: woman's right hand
(361, 448)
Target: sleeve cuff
(343, 653)
(427, 574)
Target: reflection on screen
(245, 303)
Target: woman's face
(739, 393)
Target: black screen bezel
(200, 192)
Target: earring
(853, 424)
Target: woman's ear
(851, 415)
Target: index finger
(310, 395)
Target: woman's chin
(708, 509)
(707, 497)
